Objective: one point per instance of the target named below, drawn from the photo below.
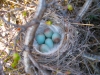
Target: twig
(85, 62)
(7, 22)
(91, 56)
(16, 39)
(22, 27)
(83, 10)
(31, 34)
(27, 63)
(35, 72)
(98, 27)
(38, 16)
(83, 24)
(95, 38)
(75, 57)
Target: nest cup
(54, 28)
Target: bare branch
(23, 27)
(83, 10)
(38, 16)
(31, 34)
(40, 10)
(27, 63)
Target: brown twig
(83, 24)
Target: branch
(27, 63)
(37, 17)
(30, 34)
(7, 22)
(22, 27)
(83, 10)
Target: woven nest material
(68, 39)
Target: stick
(82, 24)
(83, 10)
(30, 34)
(92, 57)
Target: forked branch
(30, 34)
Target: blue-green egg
(48, 33)
(49, 42)
(56, 37)
(40, 38)
(44, 48)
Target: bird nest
(54, 28)
(62, 51)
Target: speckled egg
(49, 42)
(48, 33)
(56, 37)
(40, 38)
(44, 48)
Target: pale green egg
(44, 48)
(40, 38)
(56, 37)
(48, 33)
(49, 42)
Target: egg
(48, 33)
(56, 37)
(49, 42)
(44, 48)
(40, 38)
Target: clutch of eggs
(47, 39)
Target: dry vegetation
(79, 55)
